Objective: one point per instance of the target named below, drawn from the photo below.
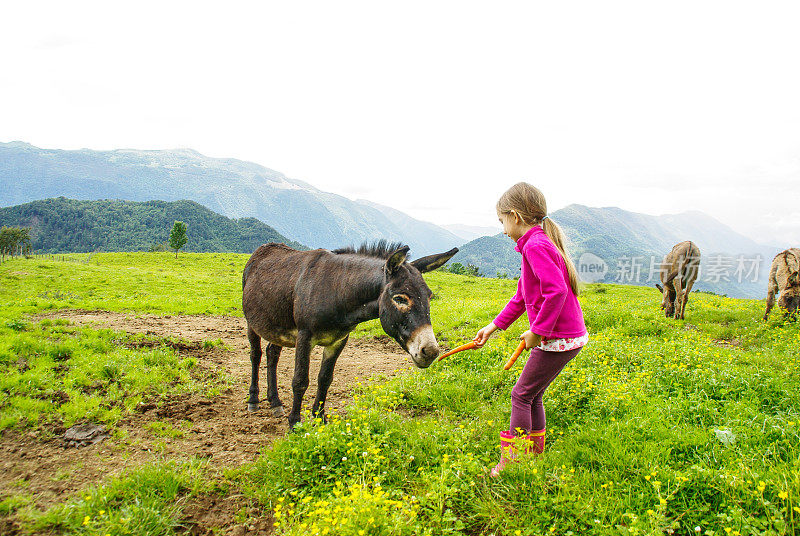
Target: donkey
(784, 278)
(309, 298)
(679, 271)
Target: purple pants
(527, 410)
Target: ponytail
(556, 235)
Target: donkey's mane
(381, 249)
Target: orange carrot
(514, 357)
(469, 346)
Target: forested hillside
(66, 225)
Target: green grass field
(657, 427)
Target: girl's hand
(531, 339)
(483, 335)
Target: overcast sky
(435, 108)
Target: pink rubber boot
(510, 444)
(535, 441)
(508, 451)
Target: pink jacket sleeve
(512, 310)
(553, 290)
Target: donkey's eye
(400, 299)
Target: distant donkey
(309, 298)
(784, 279)
(678, 273)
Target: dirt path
(221, 427)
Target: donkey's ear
(432, 262)
(660, 288)
(397, 258)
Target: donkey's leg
(329, 357)
(773, 289)
(302, 357)
(678, 297)
(273, 353)
(686, 292)
(255, 362)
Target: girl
(547, 291)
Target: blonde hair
(528, 203)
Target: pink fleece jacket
(543, 291)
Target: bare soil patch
(220, 428)
(727, 343)
(203, 513)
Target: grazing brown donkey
(784, 279)
(678, 273)
(309, 298)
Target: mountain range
(230, 187)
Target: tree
(457, 268)
(460, 269)
(177, 237)
(5, 242)
(471, 269)
(14, 240)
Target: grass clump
(144, 502)
(53, 373)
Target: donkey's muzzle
(430, 352)
(423, 347)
